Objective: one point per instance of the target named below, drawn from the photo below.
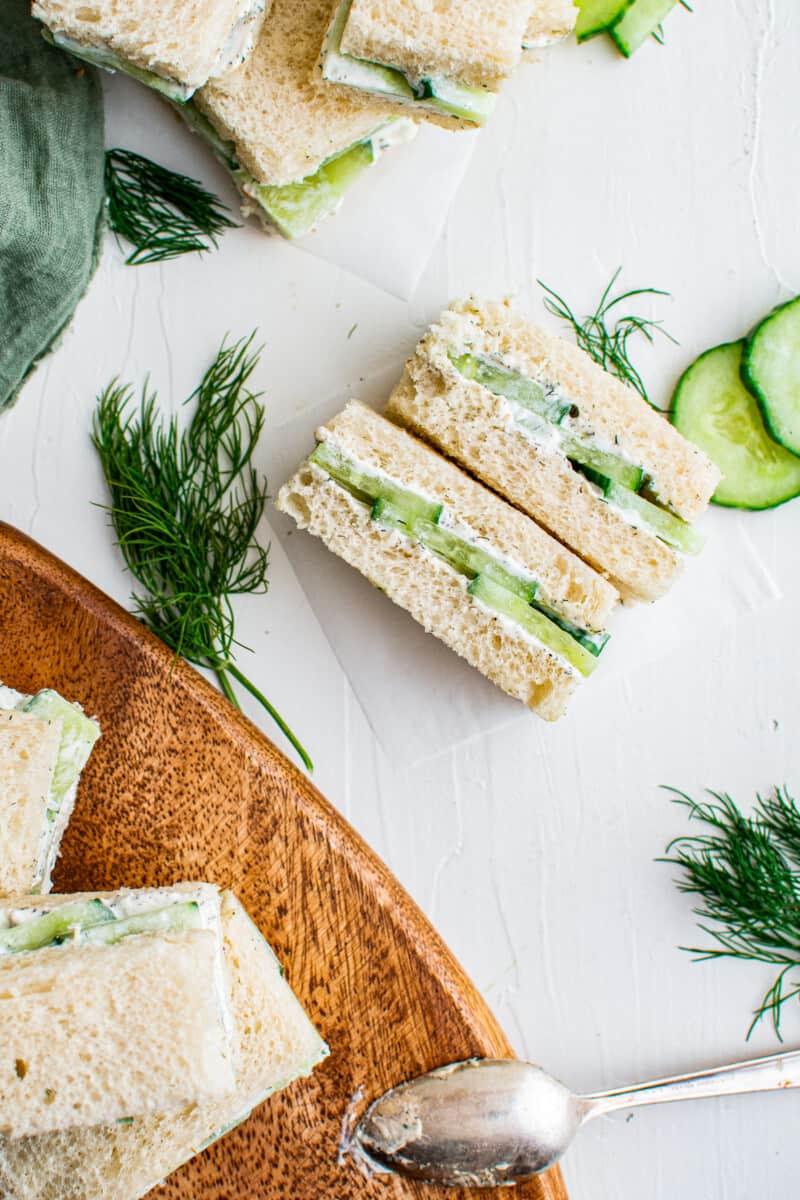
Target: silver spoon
(491, 1122)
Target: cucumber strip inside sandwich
(447, 96)
(170, 919)
(91, 922)
(510, 594)
(78, 736)
(544, 415)
(54, 926)
(107, 60)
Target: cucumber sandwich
(482, 577)
(536, 419)
(173, 46)
(112, 1005)
(274, 1043)
(45, 743)
(445, 61)
(293, 143)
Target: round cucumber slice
(771, 370)
(712, 408)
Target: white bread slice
(186, 41)
(468, 423)
(434, 594)
(476, 42)
(282, 117)
(276, 1043)
(550, 21)
(28, 754)
(92, 1033)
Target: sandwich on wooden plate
(45, 743)
(444, 61)
(534, 418)
(273, 1042)
(481, 576)
(293, 143)
(174, 46)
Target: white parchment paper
(421, 699)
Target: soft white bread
(550, 21)
(473, 426)
(92, 1033)
(282, 117)
(426, 587)
(276, 1043)
(28, 753)
(477, 42)
(180, 40)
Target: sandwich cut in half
(274, 1042)
(173, 46)
(482, 577)
(445, 61)
(111, 1005)
(586, 456)
(293, 143)
(45, 743)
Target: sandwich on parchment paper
(293, 142)
(443, 61)
(45, 743)
(584, 455)
(471, 569)
(174, 46)
(274, 1043)
(111, 1005)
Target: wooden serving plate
(182, 786)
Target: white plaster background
(532, 850)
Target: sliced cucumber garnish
(712, 408)
(107, 60)
(534, 622)
(595, 16)
(369, 488)
(78, 736)
(771, 370)
(296, 208)
(546, 406)
(170, 919)
(640, 21)
(53, 926)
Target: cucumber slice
(771, 370)
(545, 404)
(665, 525)
(97, 56)
(595, 643)
(368, 488)
(712, 408)
(596, 16)
(454, 99)
(43, 931)
(78, 736)
(296, 208)
(639, 23)
(171, 919)
(534, 622)
(461, 555)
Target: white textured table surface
(532, 850)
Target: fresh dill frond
(605, 335)
(185, 507)
(746, 871)
(161, 213)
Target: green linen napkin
(51, 191)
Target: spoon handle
(756, 1075)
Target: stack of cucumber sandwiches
(136, 1027)
(510, 497)
(298, 98)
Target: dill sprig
(185, 506)
(746, 871)
(604, 335)
(162, 214)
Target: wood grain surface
(182, 786)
